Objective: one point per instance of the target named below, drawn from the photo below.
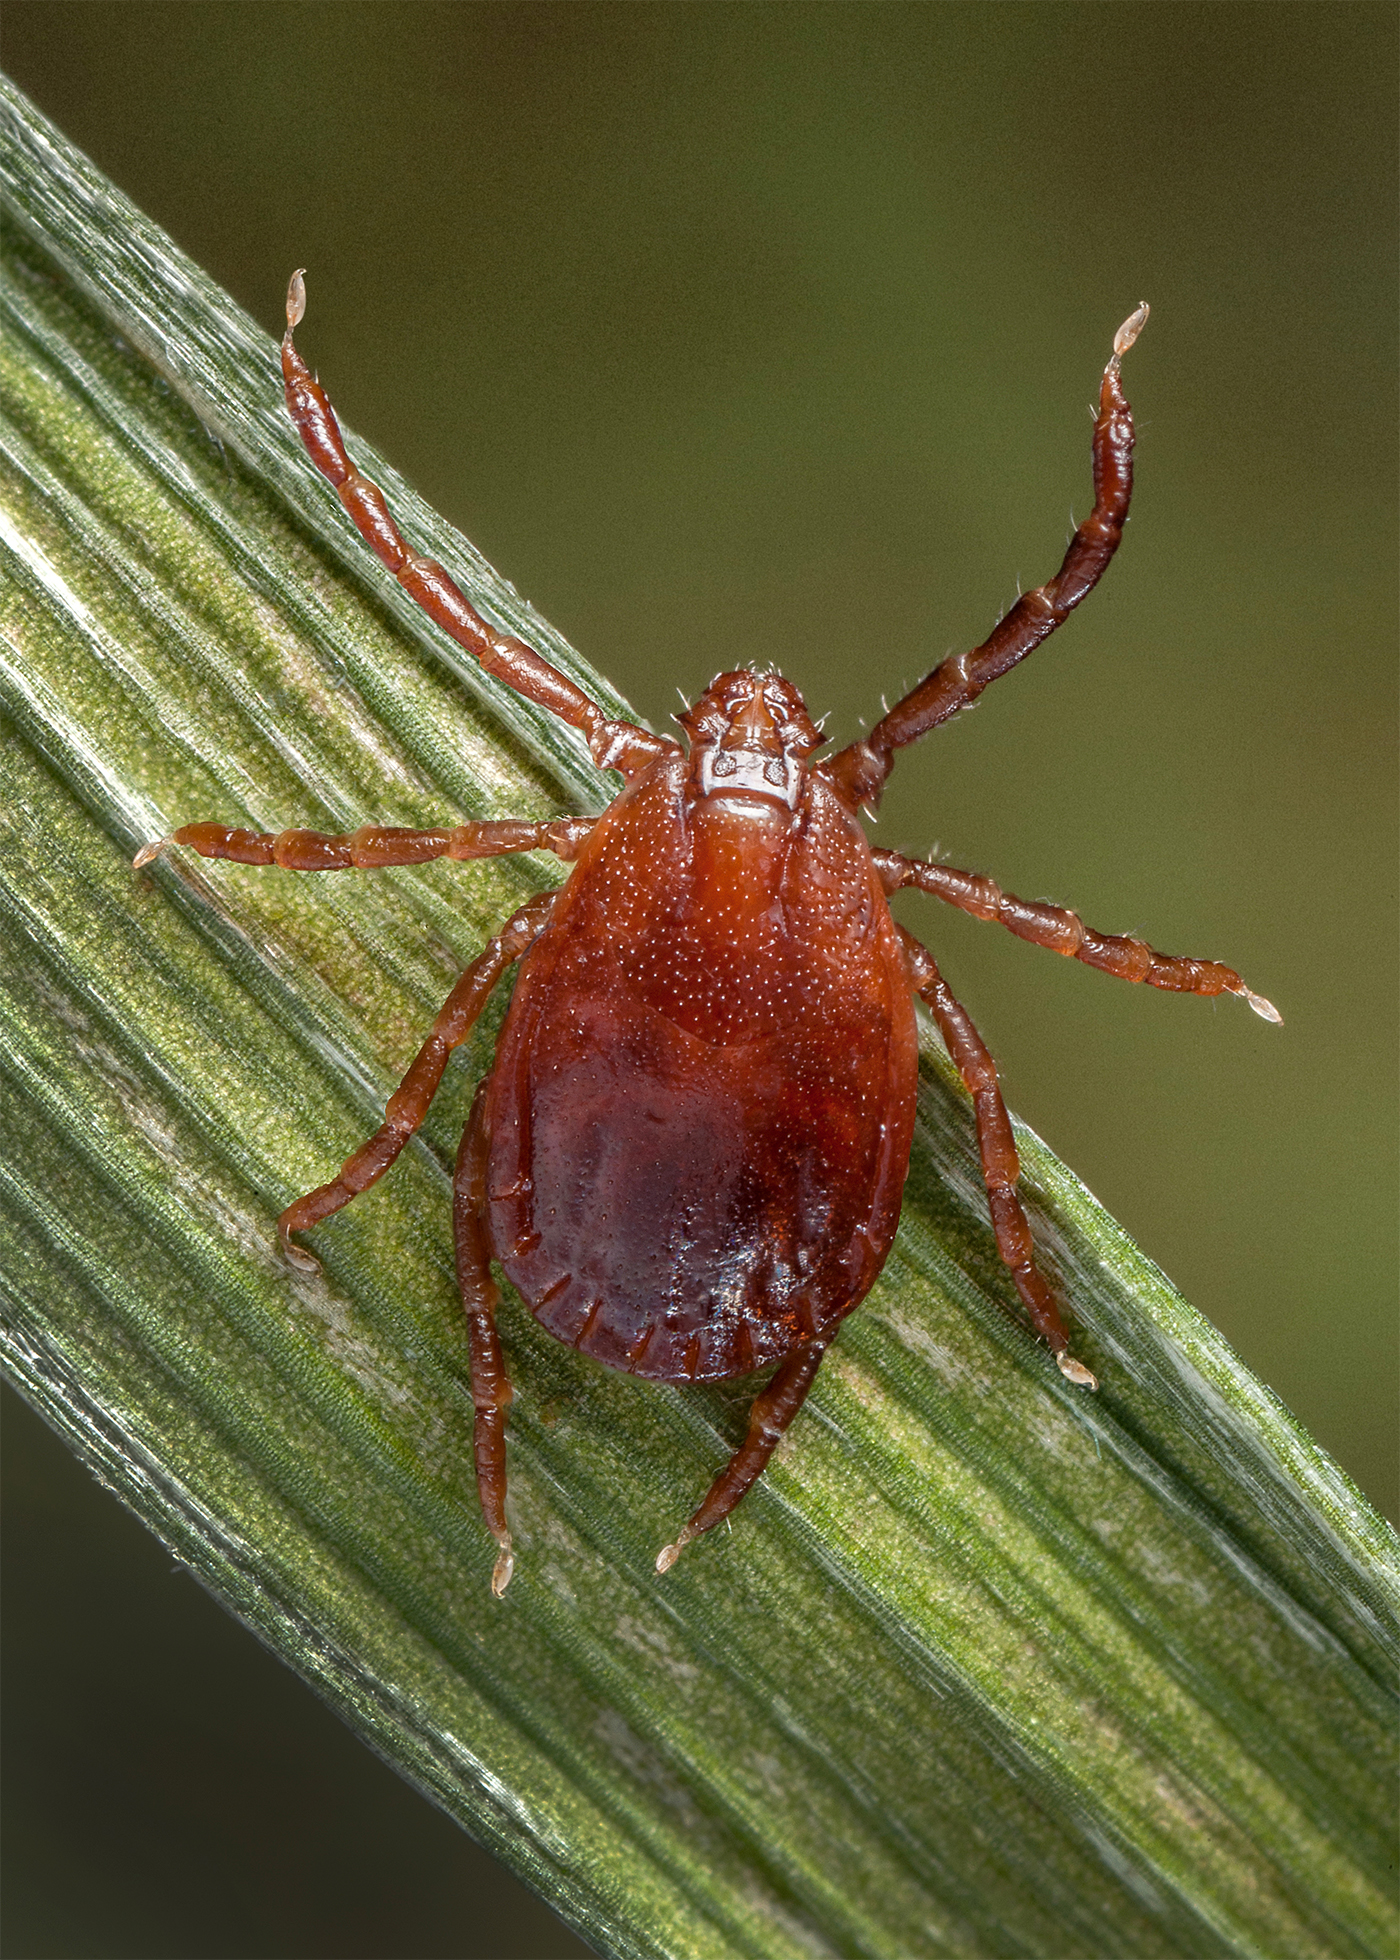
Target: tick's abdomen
(702, 1106)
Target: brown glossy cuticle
(689, 1154)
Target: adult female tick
(689, 1154)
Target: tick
(689, 1154)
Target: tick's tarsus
(749, 793)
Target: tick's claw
(668, 1554)
(298, 1256)
(296, 299)
(148, 853)
(504, 1566)
(1075, 1371)
(1264, 1008)
(1130, 330)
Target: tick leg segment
(1001, 1166)
(491, 1390)
(860, 771)
(374, 847)
(613, 744)
(1065, 932)
(772, 1411)
(409, 1103)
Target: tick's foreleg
(1065, 932)
(374, 847)
(772, 1411)
(491, 1392)
(409, 1103)
(861, 769)
(612, 744)
(1001, 1166)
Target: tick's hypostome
(689, 1152)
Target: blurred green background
(766, 332)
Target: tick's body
(700, 1114)
(689, 1154)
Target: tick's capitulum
(689, 1154)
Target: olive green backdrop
(766, 332)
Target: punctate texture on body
(702, 1105)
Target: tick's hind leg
(1001, 1167)
(409, 1103)
(770, 1415)
(491, 1391)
